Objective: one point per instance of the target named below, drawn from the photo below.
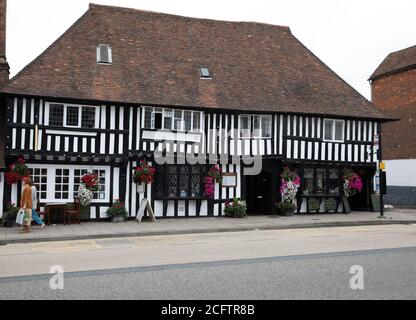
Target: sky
(351, 36)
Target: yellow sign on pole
(382, 166)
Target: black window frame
(315, 169)
(162, 172)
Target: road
(275, 264)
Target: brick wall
(4, 67)
(395, 90)
(2, 28)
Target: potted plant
(214, 175)
(9, 217)
(352, 183)
(89, 184)
(117, 212)
(143, 174)
(17, 171)
(236, 209)
(289, 186)
(286, 208)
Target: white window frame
(333, 133)
(182, 128)
(79, 106)
(110, 54)
(51, 174)
(251, 126)
(240, 129)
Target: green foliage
(286, 207)
(118, 209)
(236, 209)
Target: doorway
(259, 193)
(361, 200)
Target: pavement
(97, 230)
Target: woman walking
(26, 204)
(35, 215)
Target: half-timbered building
(122, 85)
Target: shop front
(322, 188)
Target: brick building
(393, 87)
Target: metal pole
(381, 216)
(380, 179)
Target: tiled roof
(254, 66)
(395, 62)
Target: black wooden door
(361, 201)
(259, 193)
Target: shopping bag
(20, 217)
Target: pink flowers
(355, 183)
(214, 175)
(352, 183)
(209, 187)
(289, 185)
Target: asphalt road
(388, 274)
(278, 264)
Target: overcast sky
(351, 36)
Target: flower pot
(85, 212)
(140, 187)
(286, 212)
(10, 222)
(117, 219)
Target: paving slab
(94, 230)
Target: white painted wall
(401, 172)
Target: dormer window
(205, 74)
(104, 54)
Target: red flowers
(143, 173)
(12, 178)
(209, 187)
(17, 171)
(90, 181)
(216, 173)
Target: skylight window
(205, 74)
(104, 54)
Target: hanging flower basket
(17, 171)
(143, 173)
(214, 175)
(89, 184)
(90, 180)
(289, 186)
(352, 183)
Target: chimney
(4, 66)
